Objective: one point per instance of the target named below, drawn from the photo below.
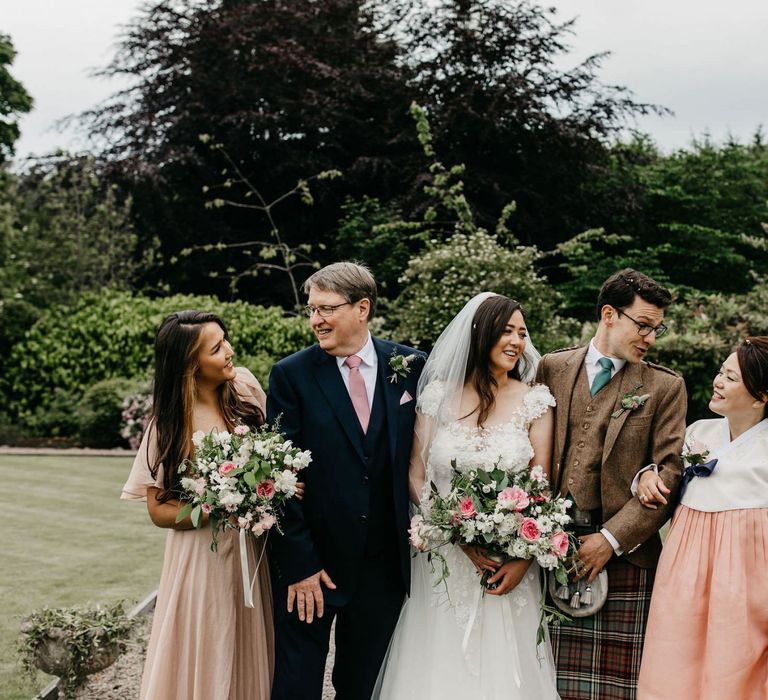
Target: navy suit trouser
(364, 626)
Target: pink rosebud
(266, 489)
(559, 542)
(241, 430)
(697, 448)
(455, 518)
(529, 530)
(206, 507)
(227, 467)
(467, 508)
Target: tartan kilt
(598, 657)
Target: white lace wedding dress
(451, 640)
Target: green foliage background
(111, 335)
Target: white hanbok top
(740, 478)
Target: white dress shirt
(368, 367)
(592, 365)
(592, 362)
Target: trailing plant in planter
(73, 642)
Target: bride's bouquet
(240, 479)
(511, 515)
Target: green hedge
(111, 335)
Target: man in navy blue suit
(344, 550)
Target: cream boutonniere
(631, 401)
(400, 366)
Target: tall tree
(288, 88)
(527, 130)
(14, 100)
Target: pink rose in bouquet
(227, 467)
(467, 508)
(559, 543)
(266, 489)
(513, 498)
(529, 530)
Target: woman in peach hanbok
(707, 635)
(205, 644)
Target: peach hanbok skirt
(205, 644)
(707, 635)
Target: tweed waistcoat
(588, 421)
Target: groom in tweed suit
(598, 450)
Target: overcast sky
(707, 61)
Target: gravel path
(122, 680)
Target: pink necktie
(357, 391)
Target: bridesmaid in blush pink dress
(205, 644)
(707, 635)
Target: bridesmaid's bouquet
(240, 479)
(511, 515)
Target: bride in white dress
(475, 405)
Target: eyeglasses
(643, 329)
(323, 311)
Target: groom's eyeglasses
(323, 311)
(643, 329)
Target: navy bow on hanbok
(704, 469)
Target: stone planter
(53, 655)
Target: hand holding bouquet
(510, 515)
(240, 479)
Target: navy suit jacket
(328, 529)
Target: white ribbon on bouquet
(248, 582)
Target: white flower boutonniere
(400, 366)
(631, 401)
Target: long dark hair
(177, 349)
(491, 318)
(752, 355)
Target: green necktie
(603, 376)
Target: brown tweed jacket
(651, 433)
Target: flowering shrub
(445, 276)
(135, 416)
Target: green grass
(67, 539)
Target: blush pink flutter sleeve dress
(205, 644)
(707, 635)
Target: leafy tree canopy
(14, 100)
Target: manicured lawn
(67, 539)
